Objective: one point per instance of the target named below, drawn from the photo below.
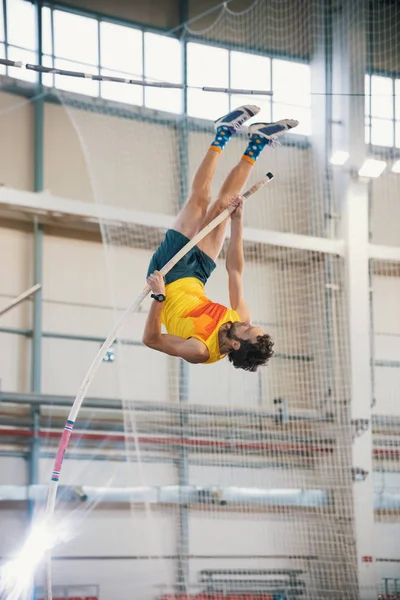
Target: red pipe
(175, 441)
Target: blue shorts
(195, 263)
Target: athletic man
(199, 330)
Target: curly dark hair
(251, 355)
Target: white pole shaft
(20, 298)
(51, 498)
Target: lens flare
(17, 575)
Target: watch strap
(158, 297)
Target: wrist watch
(158, 297)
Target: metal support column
(321, 82)
(35, 449)
(183, 476)
(350, 52)
(342, 569)
(36, 355)
(36, 347)
(183, 124)
(38, 108)
(183, 460)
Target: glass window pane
(382, 132)
(47, 43)
(2, 55)
(25, 56)
(250, 72)
(164, 99)
(48, 78)
(121, 92)
(397, 134)
(21, 24)
(75, 84)
(75, 37)
(367, 95)
(1, 23)
(207, 105)
(162, 58)
(264, 102)
(291, 80)
(367, 132)
(397, 99)
(381, 97)
(121, 49)
(288, 111)
(207, 66)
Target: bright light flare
(372, 168)
(396, 167)
(17, 575)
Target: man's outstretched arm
(235, 262)
(191, 350)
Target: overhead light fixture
(396, 167)
(372, 168)
(339, 157)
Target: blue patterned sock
(222, 136)
(254, 148)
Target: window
(121, 49)
(83, 44)
(291, 81)
(47, 45)
(21, 24)
(381, 97)
(382, 111)
(120, 92)
(382, 129)
(210, 66)
(121, 55)
(251, 72)
(2, 37)
(382, 132)
(76, 49)
(397, 98)
(163, 62)
(47, 31)
(21, 36)
(397, 111)
(367, 93)
(2, 55)
(25, 56)
(76, 84)
(207, 66)
(75, 38)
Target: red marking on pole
(367, 559)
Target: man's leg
(192, 215)
(261, 135)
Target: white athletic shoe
(235, 119)
(272, 130)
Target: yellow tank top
(187, 313)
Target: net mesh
(240, 484)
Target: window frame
(270, 56)
(50, 58)
(394, 119)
